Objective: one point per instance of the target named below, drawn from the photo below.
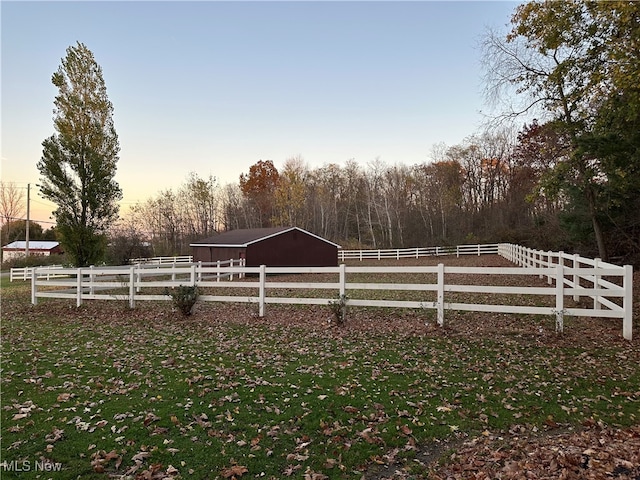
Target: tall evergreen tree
(78, 162)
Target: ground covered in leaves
(102, 391)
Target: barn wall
(292, 249)
(213, 254)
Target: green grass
(106, 390)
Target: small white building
(36, 247)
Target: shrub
(339, 309)
(184, 298)
(34, 261)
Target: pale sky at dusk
(213, 87)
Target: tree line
(478, 191)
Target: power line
(31, 220)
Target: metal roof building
(36, 247)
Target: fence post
(627, 303)
(173, 275)
(34, 298)
(596, 284)
(138, 277)
(132, 286)
(200, 271)
(576, 275)
(193, 276)
(559, 298)
(343, 279)
(457, 251)
(91, 289)
(478, 249)
(263, 280)
(231, 273)
(78, 287)
(549, 264)
(541, 261)
(441, 294)
(218, 271)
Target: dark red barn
(275, 247)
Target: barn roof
(245, 237)
(33, 245)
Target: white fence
(583, 278)
(26, 273)
(417, 252)
(162, 260)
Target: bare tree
(12, 206)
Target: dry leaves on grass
(142, 351)
(597, 452)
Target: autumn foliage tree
(290, 205)
(259, 187)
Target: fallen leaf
(234, 471)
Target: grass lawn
(102, 391)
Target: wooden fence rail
(568, 277)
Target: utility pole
(26, 235)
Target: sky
(212, 87)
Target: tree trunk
(597, 228)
